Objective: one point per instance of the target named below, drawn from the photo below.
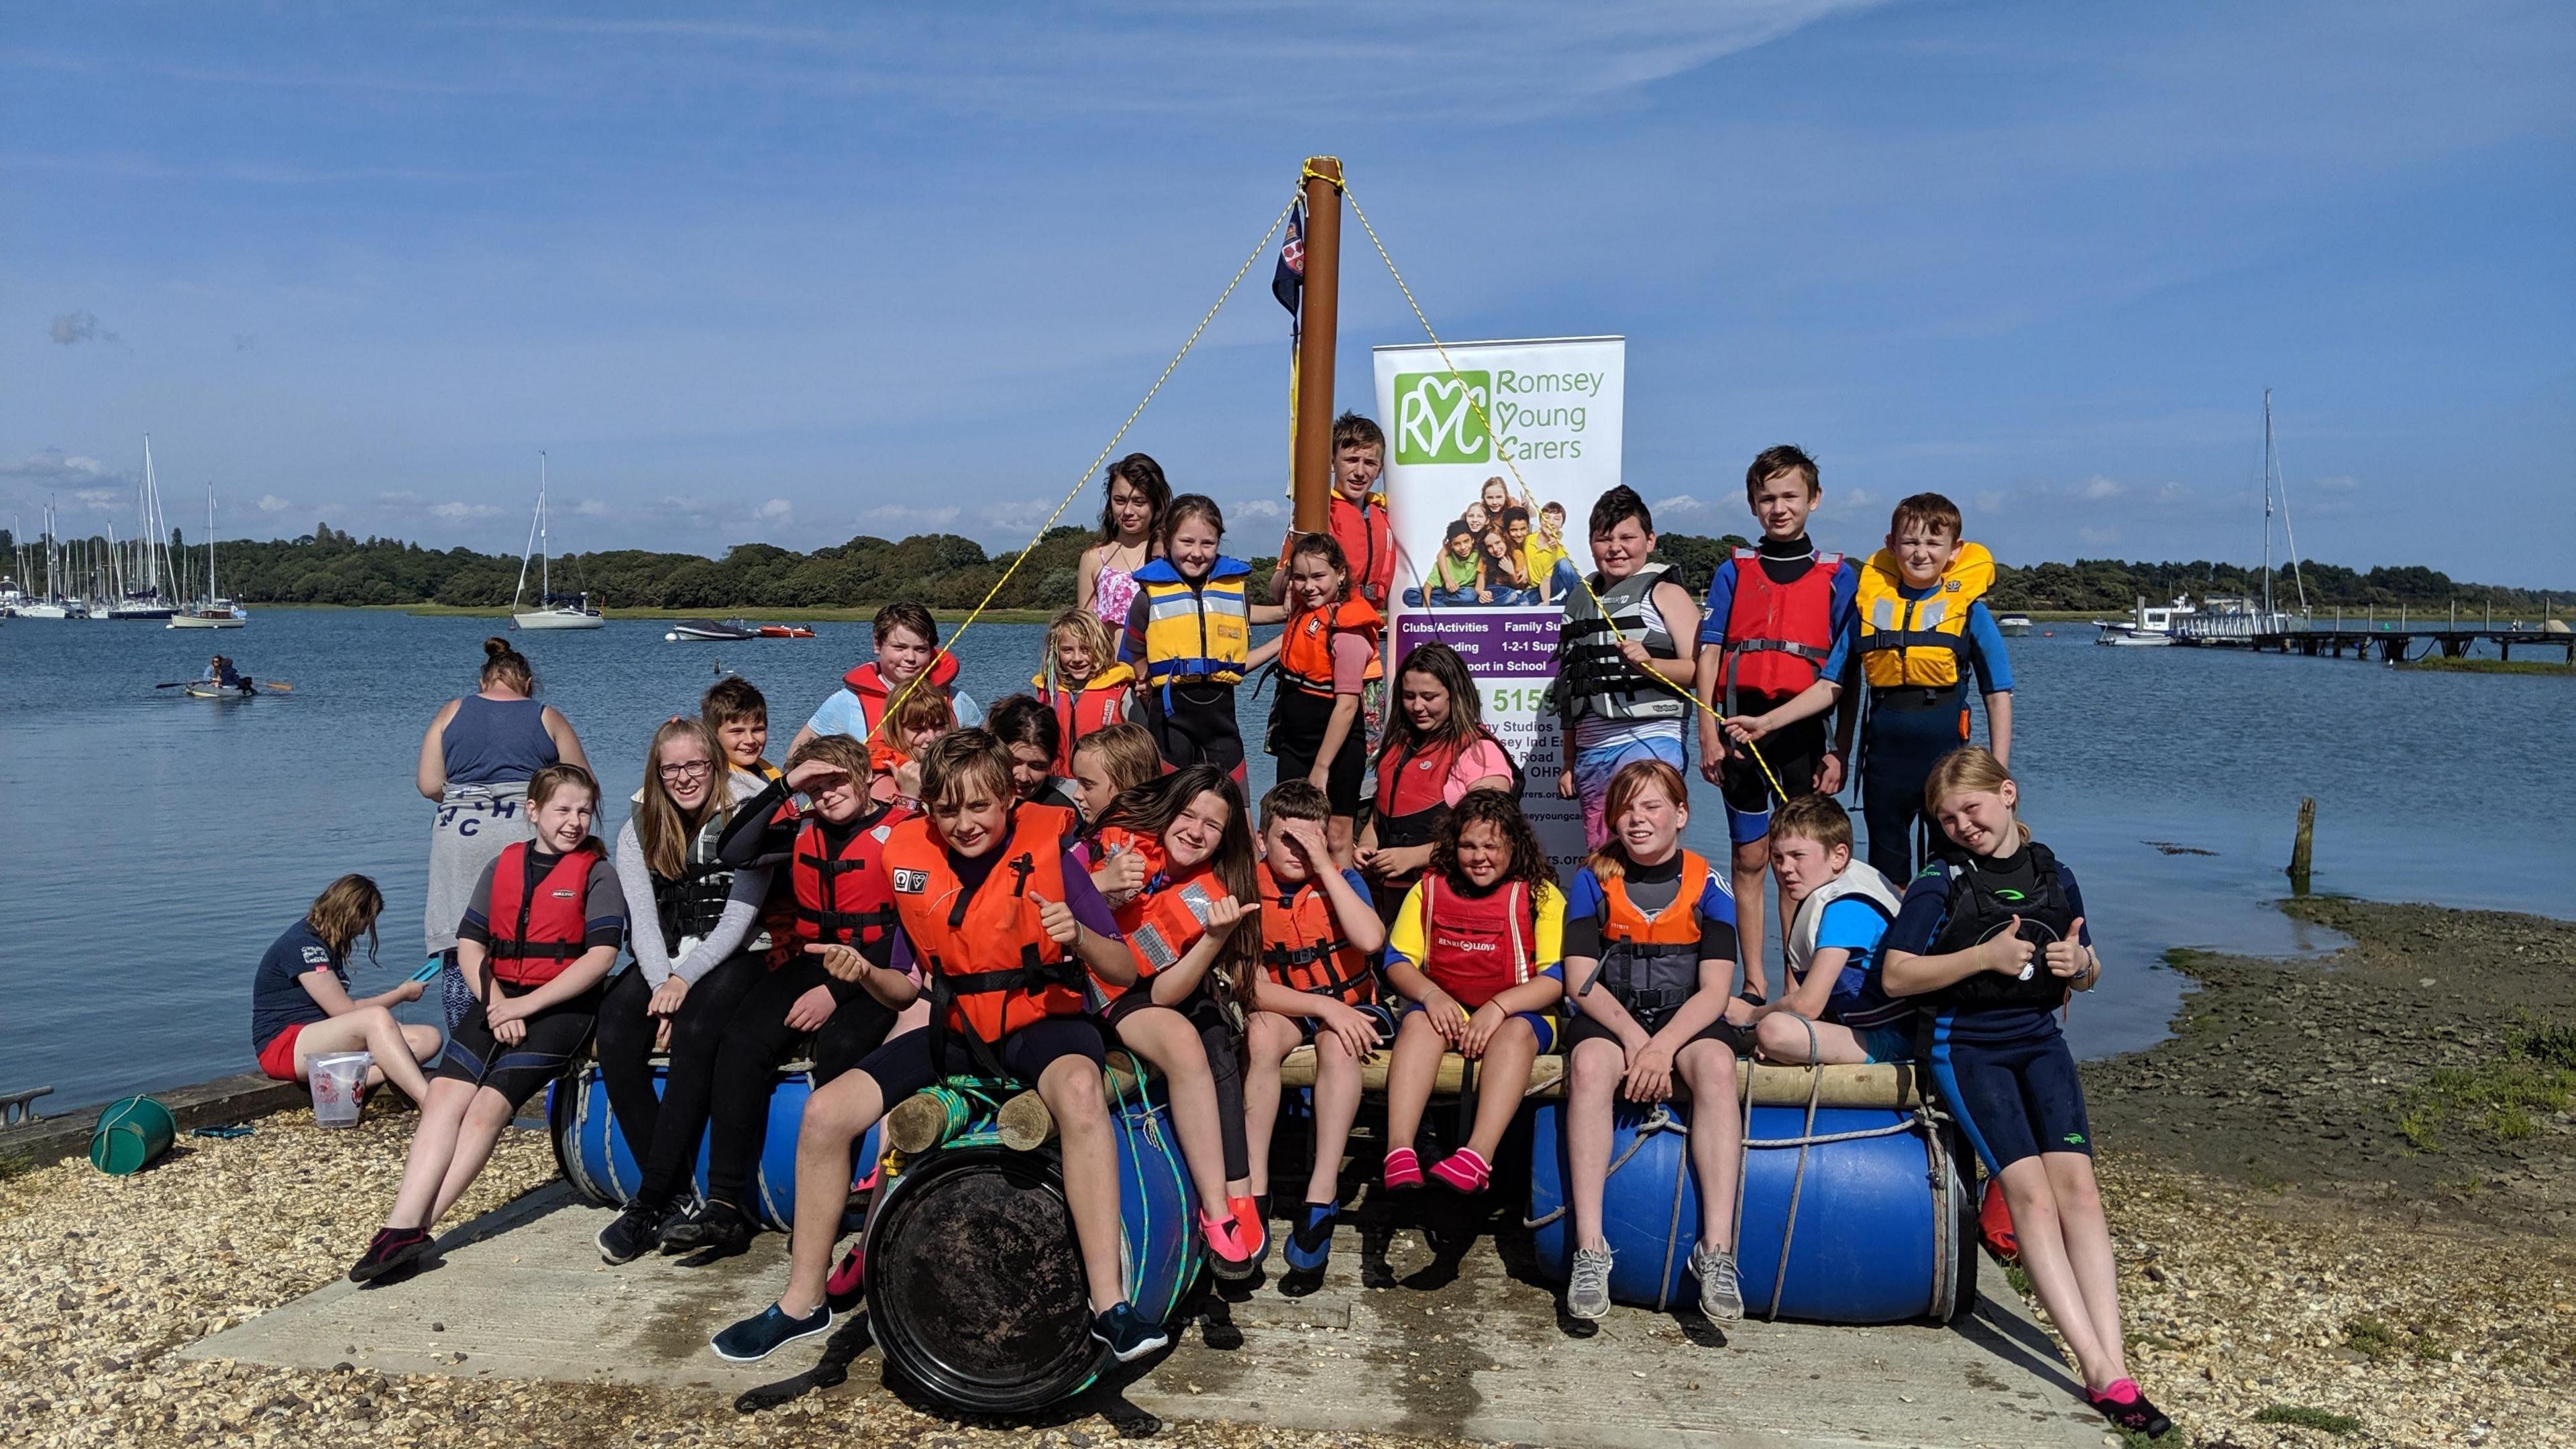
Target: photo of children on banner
(1491, 556)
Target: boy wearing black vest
(1623, 681)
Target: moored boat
(553, 611)
(2012, 626)
(708, 630)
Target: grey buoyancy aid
(1978, 913)
(1651, 962)
(1858, 1000)
(1593, 677)
(692, 904)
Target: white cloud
(1244, 510)
(2339, 483)
(896, 513)
(2097, 488)
(590, 508)
(100, 500)
(271, 503)
(55, 469)
(774, 509)
(455, 512)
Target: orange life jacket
(1477, 947)
(844, 898)
(1163, 919)
(1302, 945)
(537, 922)
(1306, 649)
(992, 967)
(1651, 963)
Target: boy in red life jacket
(1320, 939)
(1780, 618)
(907, 645)
(998, 926)
(1358, 513)
(537, 940)
(1474, 950)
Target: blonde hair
(1092, 633)
(1126, 751)
(1969, 770)
(347, 908)
(661, 828)
(1610, 862)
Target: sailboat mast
(2267, 508)
(210, 545)
(545, 551)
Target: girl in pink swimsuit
(1106, 581)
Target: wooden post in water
(2301, 847)
(1318, 302)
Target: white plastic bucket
(338, 1079)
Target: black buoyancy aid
(1977, 914)
(845, 896)
(1651, 963)
(1594, 678)
(1302, 945)
(691, 904)
(537, 922)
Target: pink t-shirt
(1483, 760)
(1352, 654)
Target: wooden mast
(1318, 300)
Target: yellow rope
(1084, 481)
(1529, 499)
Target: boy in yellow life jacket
(1924, 631)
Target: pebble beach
(2274, 1296)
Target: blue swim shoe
(1310, 1244)
(766, 1332)
(1127, 1334)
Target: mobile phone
(430, 971)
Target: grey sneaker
(1720, 1297)
(1587, 1288)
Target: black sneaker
(2129, 1411)
(1127, 1333)
(631, 1234)
(715, 1226)
(767, 1331)
(391, 1251)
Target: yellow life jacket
(1193, 634)
(1918, 641)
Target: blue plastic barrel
(1885, 1229)
(975, 1285)
(597, 1162)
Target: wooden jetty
(2395, 643)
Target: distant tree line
(945, 571)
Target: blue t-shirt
(1917, 932)
(1856, 925)
(1846, 612)
(278, 999)
(840, 714)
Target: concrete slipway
(1392, 1341)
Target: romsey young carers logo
(1438, 418)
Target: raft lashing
(975, 1282)
(1884, 1230)
(592, 1150)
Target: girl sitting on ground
(1317, 983)
(539, 934)
(1178, 854)
(967, 927)
(1436, 750)
(1988, 943)
(1326, 656)
(299, 1000)
(1082, 681)
(1475, 951)
(1131, 535)
(700, 947)
(1650, 967)
(1189, 633)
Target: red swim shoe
(1403, 1169)
(849, 1282)
(1249, 1229)
(1464, 1171)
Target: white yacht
(553, 611)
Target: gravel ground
(2262, 1272)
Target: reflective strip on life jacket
(1919, 642)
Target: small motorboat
(709, 630)
(785, 631)
(2013, 626)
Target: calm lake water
(155, 845)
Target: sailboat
(53, 605)
(569, 611)
(2239, 623)
(216, 612)
(152, 557)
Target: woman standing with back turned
(475, 762)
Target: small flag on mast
(1288, 280)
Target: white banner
(1477, 556)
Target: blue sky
(794, 273)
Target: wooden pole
(1319, 303)
(2301, 848)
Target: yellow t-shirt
(1407, 937)
(1541, 558)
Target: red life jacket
(1367, 538)
(1086, 710)
(845, 898)
(1778, 635)
(1306, 649)
(991, 966)
(873, 693)
(537, 925)
(1477, 947)
(1411, 793)
(1302, 945)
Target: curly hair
(1496, 808)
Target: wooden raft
(926, 1119)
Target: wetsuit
(1908, 728)
(1995, 1050)
(1793, 752)
(555, 1035)
(1652, 889)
